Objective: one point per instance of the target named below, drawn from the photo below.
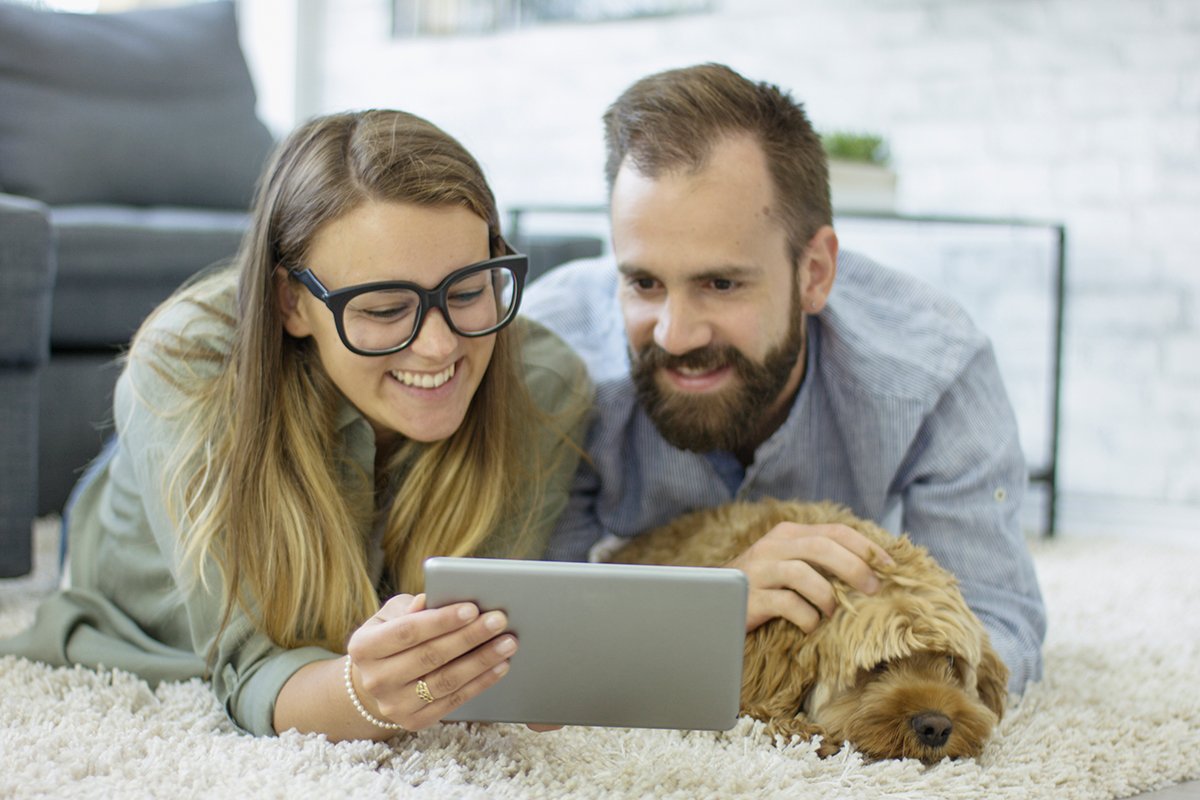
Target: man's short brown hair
(672, 120)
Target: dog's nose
(932, 728)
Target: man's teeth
(424, 380)
(691, 372)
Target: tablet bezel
(615, 645)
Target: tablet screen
(625, 645)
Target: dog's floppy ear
(777, 671)
(992, 680)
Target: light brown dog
(908, 672)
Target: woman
(297, 433)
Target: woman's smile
(425, 380)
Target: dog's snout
(932, 728)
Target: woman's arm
(266, 688)
(456, 652)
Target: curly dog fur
(908, 672)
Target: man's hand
(789, 571)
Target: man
(742, 370)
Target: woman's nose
(435, 340)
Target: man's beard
(731, 419)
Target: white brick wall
(1084, 111)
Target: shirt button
(1000, 494)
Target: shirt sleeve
(962, 486)
(578, 527)
(248, 669)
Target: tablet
(620, 645)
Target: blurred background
(1027, 123)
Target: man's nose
(680, 328)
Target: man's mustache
(653, 357)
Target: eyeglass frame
(337, 300)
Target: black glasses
(375, 319)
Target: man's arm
(962, 486)
(578, 527)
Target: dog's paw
(788, 728)
(828, 747)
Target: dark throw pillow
(148, 107)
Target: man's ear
(818, 273)
(295, 321)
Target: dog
(908, 672)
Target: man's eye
(644, 284)
(723, 284)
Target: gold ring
(423, 691)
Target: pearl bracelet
(367, 715)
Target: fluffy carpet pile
(1117, 714)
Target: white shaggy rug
(1117, 714)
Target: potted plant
(859, 176)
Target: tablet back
(606, 644)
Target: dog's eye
(880, 668)
(950, 661)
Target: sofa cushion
(18, 467)
(26, 279)
(146, 107)
(115, 264)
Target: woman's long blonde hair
(267, 493)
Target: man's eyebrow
(729, 272)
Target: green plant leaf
(869, 148)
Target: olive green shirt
(132, 605)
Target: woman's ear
(295, 321)
(819, 270)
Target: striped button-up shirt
(902, 417)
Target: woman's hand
(789, 571)
(457, 652)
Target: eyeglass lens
(475, 303)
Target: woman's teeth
(424, 380)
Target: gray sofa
(129, 148)
(26, 278)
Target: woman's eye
(387, 314)
(465, 297)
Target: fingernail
(506, 645)
(495, 621)
(467, 612)
(500, 668)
